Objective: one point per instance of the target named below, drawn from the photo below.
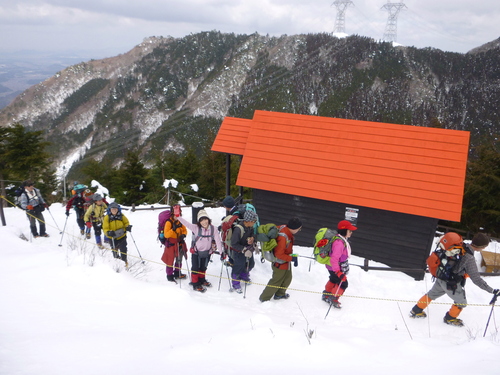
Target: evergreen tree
(133, 177)
(23, 156)
(481, 208)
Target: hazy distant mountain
(173, 92)
(23, 69)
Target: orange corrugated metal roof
(402, 168)
(232, 136)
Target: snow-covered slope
(71, 309)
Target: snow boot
(171, 278)
(417, 312)
(284, 296)
(448, 319)
(199, 288)
(179, 275)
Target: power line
(341, 6)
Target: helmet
(450, 240)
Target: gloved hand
(192, 250)
(342, 277)
(129, 228)
(223, 256)
(182, 237)
(111, 233)
(88, 224)
(295, 260)
(45, 205)
(29, 207)
(67, 213)
(496, 292)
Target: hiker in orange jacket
(175, 247)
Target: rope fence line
(434, 302)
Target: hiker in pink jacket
(339, 255)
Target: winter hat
(228, 202)
(202, 214)
(346, 224)
(97, 197)
(113, 205)
(250, 216)
(294, 223)
(480, 240)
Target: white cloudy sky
(110, 27)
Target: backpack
(441, 265)
(204, 254)
(267, 235)
(162, 219)
(323, 244)
(17, 195)
(241, 209)
(227, 226)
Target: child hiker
(206, 241)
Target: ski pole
(492, 303)
(64, 229)
(57, 226)
(138, 252)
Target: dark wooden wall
(395, 239)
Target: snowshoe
(206, 284)
(237, 290)
(179, 276)
(87, 236)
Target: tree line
(23, 156)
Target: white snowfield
(73, 309)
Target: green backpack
(323, 244)
(267, 235)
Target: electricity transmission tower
(341, 6)
(391, 29)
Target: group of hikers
(92, 211)
(236, 243)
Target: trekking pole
(331, 304)
(140, 256)
(229, 280)
(57, 226)
(64, 229)
(492, 303)
(220, 276)
(245, 291)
